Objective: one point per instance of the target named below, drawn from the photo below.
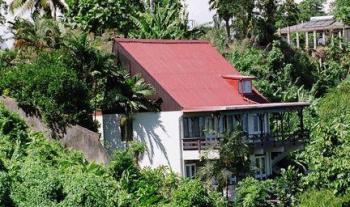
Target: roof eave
(251, 107)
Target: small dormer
(244, 83)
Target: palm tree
(36, 36)
(38, 6)
(164, 20)
(126, 96)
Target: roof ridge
(161, 41)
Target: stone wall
(75, 137)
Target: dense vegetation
(53, 60)
(37, 172)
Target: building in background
(319, 31)
(201, 93)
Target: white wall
(161, 134)
(111, 135)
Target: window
(246, 86)
(186, 128)
(229, 123)
(190, 170)
(260, 164)
(256, 123)
(195, 127)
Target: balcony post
(261, 118)
(301, 119)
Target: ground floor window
(191, 170)
(260, 164)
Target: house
(318, 31)
(200, 90)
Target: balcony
(254, 141)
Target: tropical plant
(287, 14)
(322, 198)
(341, 10)
(132, 95)
(326, 156)
(166, 20)
(233, 162)
(36, 7)
(36, 171)
(225, 10)
(47, 89)
(310, 8)
(3, 9)
(99, 15)
(36, 36)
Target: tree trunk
(228, 30)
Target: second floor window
(193, 127)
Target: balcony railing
(253, 140)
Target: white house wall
(161, 133)
(111, 136)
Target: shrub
(322, 198)
(57, 91)
(254, 193)
(192, 193)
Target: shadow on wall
(112, 133)
(147, 133)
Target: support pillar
(332, 37)
(324, 37)
(288, 38)
(315, 40)
(307, 40)
(340, 40)
(298, 43)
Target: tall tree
(342, 10)
(265, 25)
(36, 7)
(164, 20)
(38, 35)
(225, 10)
(100, 15)
(287, 14)
(310, 8)
(2, 15)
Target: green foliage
(166, 20)
(192, 193)
(327, 154)
(310, 8)
(100, 15)
(46, 174)
(342, 10)
(281, 191)
(56, 90)
(234, 161)
(253, 193)
(282, 73)
(322, 198)
(33, 37)
(287, 14)
(218, 38)
(50, 8)
(3, 8)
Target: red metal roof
(189, 72)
